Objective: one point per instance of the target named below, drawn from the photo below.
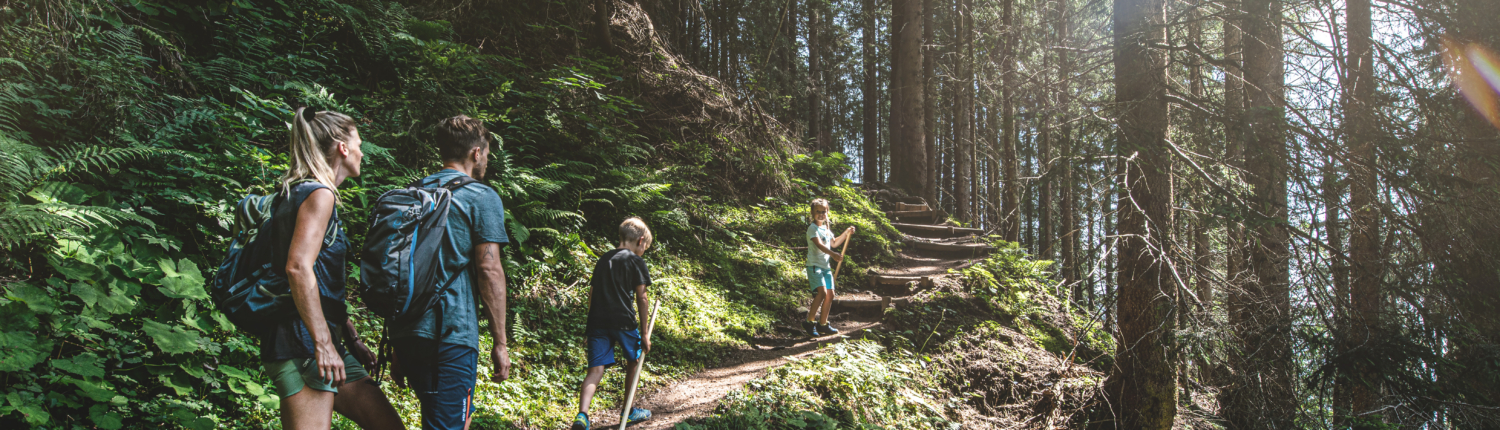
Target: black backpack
(249, 288)
(399, 262)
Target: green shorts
(291, 375)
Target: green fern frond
(90, 217)
(518, 232)
(93, 157)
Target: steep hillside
(129, 129)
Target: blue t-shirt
(816, 257)
(476, 216)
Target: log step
(945, 247)
(950, 231)
(912, 214)
(868, 305)
(879, 279)
(907, 207)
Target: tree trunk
(814, 78)
(1010, 207)
(929, 96)
(1262, 395)
(870, 95)
(1067, 193)
(1365, 299)
(963, 143)
(906, 111)
(1143, 392)
(602, 12)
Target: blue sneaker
(637, 415)
(811, 328)
(827, 329)
(581, 422)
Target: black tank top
(291, 338)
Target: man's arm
(490, 284)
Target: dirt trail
(857, 310)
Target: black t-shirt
(612, 299)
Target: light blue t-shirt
(476, 216)
(816, 257)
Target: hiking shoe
(811, 328)
(581, 422)
(827, 329)
(637, 415)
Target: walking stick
(630, 390)
(841, 261)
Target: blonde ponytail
(313, 137)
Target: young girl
(314, 373)
(820, 244)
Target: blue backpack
(399, 263)
(248, 288)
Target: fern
(26, 170)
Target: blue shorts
(601, 343)
(819, 278)
(443, 378)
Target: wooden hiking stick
(841, 261)
(630, 391)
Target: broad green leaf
(30, 407)
(235, 372)
(182, 388)
(171, 339)
(88, 292)
(183, 279)
(74, 268)
(94, 390)
(20, 351)
(85, 365)
(117, 302)
(35, 298)
(105, 419)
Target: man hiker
(618, 291)
(438, 352)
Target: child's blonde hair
(634, 228)
(817, 203)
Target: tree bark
(1365, 299)
(929, 96)
(963, 92)
(1067, 194)
(1262, 395)
(1143, 392)
(814, 79)
(870, 94)
(1011, 203)
(906, 111)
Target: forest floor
(857, 310)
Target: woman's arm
(307, 242)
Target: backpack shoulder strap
(459, 182)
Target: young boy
(618, 290)
(820, 244)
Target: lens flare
(1476, 72)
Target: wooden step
(926, 229)
(947, 247)
(868, 306)
(879, 279)
(907, 207)
(912, 214)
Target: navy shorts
(601, 343)
(443, 377)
